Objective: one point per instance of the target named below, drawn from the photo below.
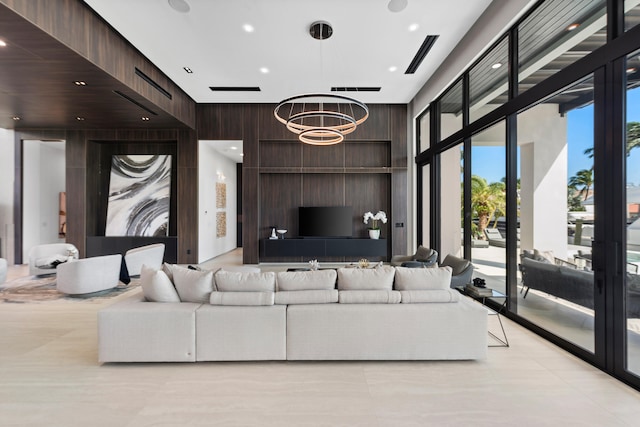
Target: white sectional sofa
(385, 313)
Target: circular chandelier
(321, 119)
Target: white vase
(374, 234)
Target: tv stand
(323, 247)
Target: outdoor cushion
(458, 265)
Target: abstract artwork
(221, 195)
(139, 191)
(221, 224)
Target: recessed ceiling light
(80, 83)
(242, 154)
(188, 70)
(233, 148)
(145, 119)
(3, 43)
(573, 26)
(16, 118)
(80, 119)
(414, 27)
(180, 6)
(264, 70)
(393, 68)
(496, 65)
(248, 28)
(397, 5)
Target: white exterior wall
(43, 180)
(212, 167)
(450, 208)
(542, 137)
(7, 170)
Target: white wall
(214, 167)
(7, 170)
(43, 180)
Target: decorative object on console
(281, 232)
(314, 265)
(139, 191)
(273, 234)
(321, 119)
(363, 263)
(374, 230)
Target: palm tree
(584, 179)
(633, 139)
(486, 201)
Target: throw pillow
(366, 278)
(544, 256)
(458, 265)
(156, 286)
(306, 280)
(410, 279)
(192, 285)
(423, 254)
(231, 281)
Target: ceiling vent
(355, 89)
(133, 101)
(422, 52)
(153, 83)
(235, 88)
(320, 30)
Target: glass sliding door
(633, 213)
(488, 206)
(555, 140)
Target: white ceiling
(367, 40)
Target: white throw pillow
(413, 279)
(306, 280)
(231, 281)
(353, 279)
(193, 285)
(156, 286)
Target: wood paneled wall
(368, 171)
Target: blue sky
(489, 162)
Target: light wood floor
(49, 376)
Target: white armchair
(44, 259)
(149, 255)
(88, 275)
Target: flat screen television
(325, 221)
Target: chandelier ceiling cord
(321, 119)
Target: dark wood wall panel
(280, 154)
(377, 126)
(331, 156)
(250, 215)
(323, 190)
(270, 127)
(280, 197)
(398, 213)
(368, 154)
(369, 193)
(188, 217)
(398, 115)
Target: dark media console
(319, 247)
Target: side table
(504, 342)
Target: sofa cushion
(544, 256)
(192, 285)
(232, 281)
(306, 280)
(316, 296)
(156, 286)
(378, 296)
(411, 279)
(422, 296)
(358, 279)
(242, 298)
